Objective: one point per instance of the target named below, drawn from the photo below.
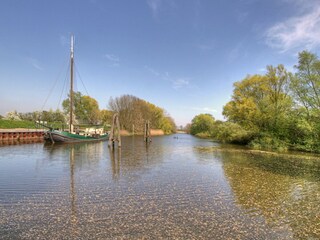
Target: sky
(181, 55)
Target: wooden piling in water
(115, 132)
(147, 135)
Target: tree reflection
(287, 196)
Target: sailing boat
(70, 136)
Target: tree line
(133, 113)
(279, 110)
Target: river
(176, 187)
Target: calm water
(176, 187)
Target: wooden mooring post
(115, 132)
(147, 137)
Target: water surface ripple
(173, 188)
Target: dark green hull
(61, 136)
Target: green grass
(7, 124)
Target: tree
(306, 83)
(248, 102)
(13, 116)
(135, 112)
(86, 108)
(202, 123)
(261, 102)
(106, 116)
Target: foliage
(306, 84)
(53, 116)
(261, 102)
(202, 123)
(14, 115)
(281, 109)
(86, 108)
(229, 132)
(134, 112)
(106, 116)
(269, 142)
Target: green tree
(202, 123)
(306, 83)
(261, 102)
(86, 108)
(229, 132)
(106, 116)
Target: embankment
(21, 134)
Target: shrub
(269, 142)
(229, 132)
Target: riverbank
(153, 132)
(21, 134)
(289, 155)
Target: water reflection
(73, 196)
(170, 188)
(115, 158)
(284, 191)
(86, 154)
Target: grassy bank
(7, 124)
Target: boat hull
(66, 137)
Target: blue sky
(182, 55)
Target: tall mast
(71, 86)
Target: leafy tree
(261, 102)
(106, 116)
(229, 132)
(248, 102)
(14, 115)
(202, 123)
(306, 84)
(135, 112)
(86, 108)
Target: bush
(270, 143)
(203, 135)
(229, 132)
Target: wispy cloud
(239, 50)
(35, 63)
(297, 32)
(180, 83)
(151, 70)
(113, 60)
(177, 83)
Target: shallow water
(175, 187)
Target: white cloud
(35, 63)
(180, 83)
(151, 70)
(297, 32)
(113, 60)
(177, 83)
